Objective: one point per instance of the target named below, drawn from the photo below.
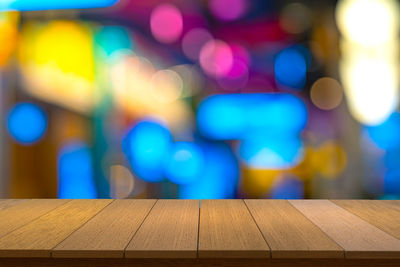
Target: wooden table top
(190, 229)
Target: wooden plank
(380, 213)
(288, 233)
(37, 238)
(358, 238)
(169, 231)
(227, 230)
(8, 203)
(108, 233)
(18, 215)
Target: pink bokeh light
(166, 23)
(228, 9)
(216, 58)
(236, 78)
(193, 41)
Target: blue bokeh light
(147, 146)
(75, 172)
(234, 116)
(219, 178)
(288, 188)
(392, 182)
(31, 5)
(271, 152)
(185, 163)
(27, 123)
(387, 134)
(291, 67)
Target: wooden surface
(108, 233)
(383, 214)
(37, 238)
(289, 233)
(227, 229)
(357, 237)
(169, 231)
(220, 232)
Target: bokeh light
(122, 181)
(166, 86)
(330, 159)
(75, 171)
(185, 163)
(216, 58)
(271, 152)
(354, 20)
(30, 5)
(147, 146)
(287, 187)
(166, 23)
(295, 18)
(360, 79)
(193, 41)
(219, 177)
(228, 9)
(326, 93)
(243, 114)
(27, 123)
(387, 134)
(290, 68)
(236, 78)
(112, 39)
(49, 56)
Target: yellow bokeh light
(166, 86)
(330, 159)
(368, 22)
(8, 35)
(131, 79)
(58, 63)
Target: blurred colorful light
(121, 181)
(290, 68)
(387, 134)
(185, 163)
(216, 58)
(30, 5)
(271, 152)
(219, 177)
(354, 21)
(288, 188)
(57, 63)
(75, 172)
(112, 39)
(228, 9)
(193, 41)
(242, 114)
(147, 146)
(371, 87)
(166, 23)
(326, 93)
(27, 123)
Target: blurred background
(199, 99)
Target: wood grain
(169, 231)
(289, 234)
(37, 238)
(358, 238)
(227, 230)
(380, 213)
(108, 233)
(18, 215)
(7, 203)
